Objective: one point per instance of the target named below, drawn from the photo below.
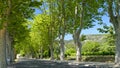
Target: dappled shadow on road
(58, 64)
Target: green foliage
(14, 15)
(82, 38)
(46, 54)
(107, 50)
(90, 46)
(95, 48)
(43, 33)
(58, 18)
(70, 49)
(70, 52)
(22, 53)
(110, 37)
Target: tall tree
(5, 12)
(77, 31)
(57, 15)
(44, 32)
(114, 14)
(12, 12)
(62, 27)
(82, 15)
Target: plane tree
(112, 7)
(12, 12)
(43, 33)
(82, 15)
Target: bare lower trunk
(51, 51)
(115, 20)
(116, 24)
(9, 43)
(77, 31)
(12, 55)
(78, 47)
(62, 49)
(2, 49)
(117, 56)
(41, 52)
(8, 48)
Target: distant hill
(96, 37)
(91, 37)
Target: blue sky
(91, 30)
(86, 31)
(94, 29)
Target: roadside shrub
(90, 48)
(70, 52)
(107, 50)
(22, 53)
(95, 48)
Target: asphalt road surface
(34, 63)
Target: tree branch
(81, 18)
(110, 11)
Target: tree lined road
(24, 32)
(33, 63)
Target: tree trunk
(13, 55)
(78, 46)
(78, 49)
(116, 23)
(41, 52)
(115, 20)
(51, 51)
(3, 49)
(117, 56)
(7, 49)
(77, 31)
(11, 48)
(62, 48)
(117, 42)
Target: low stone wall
(95, 58)
(98, 58)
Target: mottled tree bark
(51, 51)
(117, 56)
(77, 31)
(8, 48)
(62, 48)
(4, 40)
(78, 45)
(115, 20)
(41, 52)
(3, 48)
(116, 24)
(62, 29)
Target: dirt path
(33, 63)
